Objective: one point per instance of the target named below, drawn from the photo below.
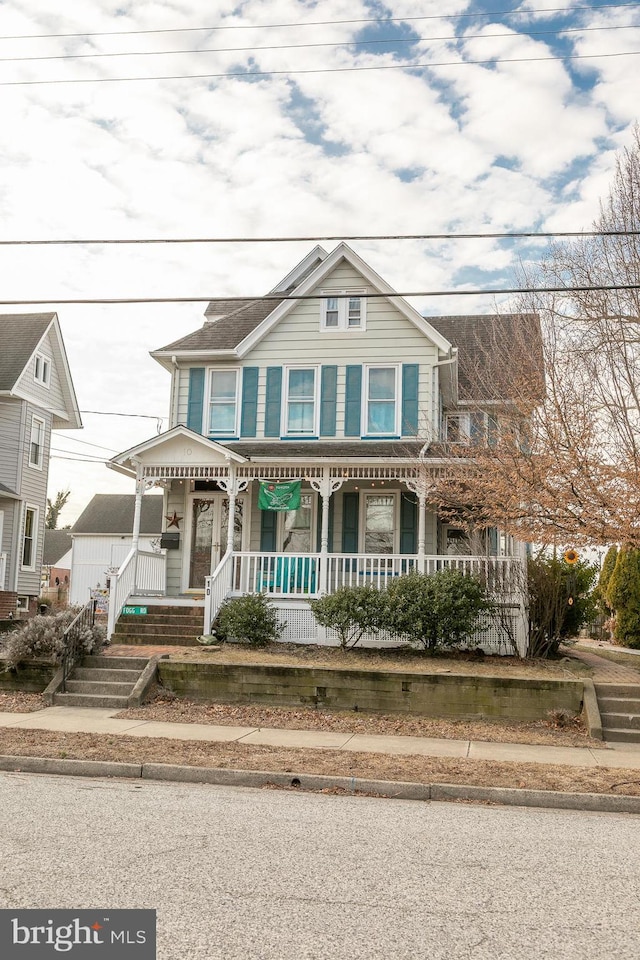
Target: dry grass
(14, 701)
(534, 776)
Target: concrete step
(90, 700)
(163, 617)
(626, 721)
(115, 663)
(153, 639)
(99, 687)
(181, 629)
(106, 675)
(619, 705)
(621, 736)
(625, 690)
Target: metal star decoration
(173, 521)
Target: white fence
(143, 573)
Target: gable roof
(56, 544)
(239, 330)
(20, 336)
(113, 513)
(500, 357)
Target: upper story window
(42, 370)
(345, 312)
(36, 447)
(301, 402)
(474, 427)
(223, 403)
(29, 538)
(381, 401)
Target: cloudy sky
(180, 119)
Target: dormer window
(42, 370)
(343, 310)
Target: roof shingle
(113, 513)
(20, 334)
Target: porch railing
(3, 569)
(216, 588)
(309, 574)
(277, 574)
(142, 572)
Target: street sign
(135, 611)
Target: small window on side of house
(36, 446)
(42, 370)
(343, 310)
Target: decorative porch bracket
(232, 486)
(325, 486)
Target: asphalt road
(240, 873)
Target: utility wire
(510, 235)
(248, 74)
(324, 23)
(306, 46)
(278, 298)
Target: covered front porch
(358, 521)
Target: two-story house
(36, 397)
(330, 391)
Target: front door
(209, 524)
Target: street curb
(386, 789)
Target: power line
(509, 235)
(278, 298)
(107, 413)
(306, 46)
(322, 23)
(248, 74)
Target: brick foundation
(8, 604)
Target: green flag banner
(279, 496)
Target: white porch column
(419, 486)
(232, 486)
(137, 515)
(325, 486)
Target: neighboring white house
(101, 538)
(36, 397)
(333, 381)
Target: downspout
(175, 392)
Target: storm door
(209, 524)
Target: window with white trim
(36, 446)
(29, 538)
(381, 413)
(300, 402)
(467, 427)
(223, 402)
(379, 523)
(343, 310)
(42, 370)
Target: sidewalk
(101, 721)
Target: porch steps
(101, 682)
(173, 626)
(619, 705)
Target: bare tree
(561, 463)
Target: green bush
(43, 637)
(623, 596)
(351, 612)
(251, 618)
(437, 610)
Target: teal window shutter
(249, 416)
(408, 523)
(195, 402)
(350, 504)
(273, 402)
(409, 399)
(268, 529)
(353, 402)
(328, 389)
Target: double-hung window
(379, 523)
(466, 427)
(381, 401)
(301, 407)
(29, 538)
(36, 447)
(223, 403)
(42, 370)
(344, 310)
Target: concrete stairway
(101, 682)
(177, 626)
(619, 705)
